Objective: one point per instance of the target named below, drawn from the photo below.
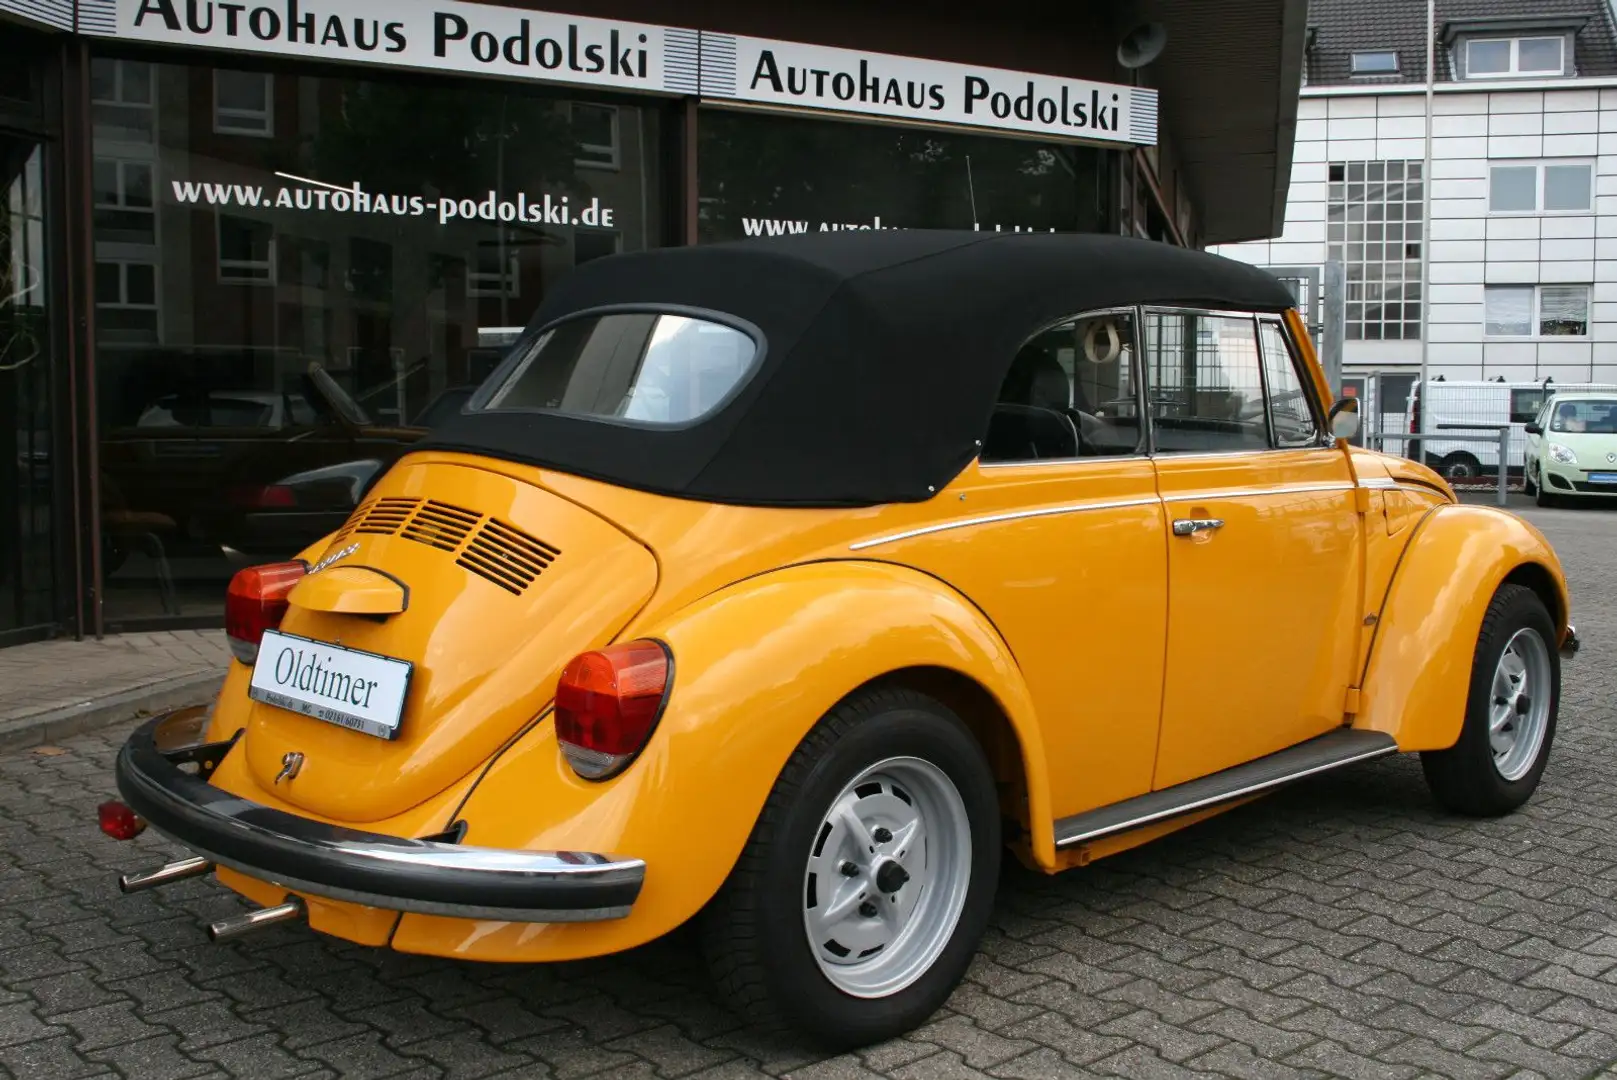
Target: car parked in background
(1476, 407)
(1572, 449)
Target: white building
(1522, 281)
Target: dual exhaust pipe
(225, 929)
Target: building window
(1374, 227)
(246, 251)
(1541, 187)
(1491, 58)
(595, 135)
(496, 270)
(121, 99)
(124, 212)
(1536, 310)
(243, 103)
(1375, 63)
(126, 302)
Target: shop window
(1493, 58)
(1536, 310)
(1551, 187)
(123, 201)
(246, 251)
(122, 96)
(497, 272)
(126, 302)
(593, 243)
(243, 103)
(765, 175)
(1373, 225)
(221, 277)
(595, 130)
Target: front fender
(755, 667)
(1418, 674)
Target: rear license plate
(1603, 478)
(357, 690)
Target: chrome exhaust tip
(238, 925)
(174, 871)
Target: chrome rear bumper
(430, 877)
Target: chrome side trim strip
(1239, 494)
(994, 519)
(1333, 750)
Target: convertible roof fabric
(883, 355)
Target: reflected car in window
(785, 587)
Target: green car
(1572, 448)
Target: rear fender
(755, 667)
(1418, 674)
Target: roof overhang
(1512, 25)
(1229, 81)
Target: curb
(126, 705)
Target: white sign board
(876, 84)
(354, 689)
(484, 39)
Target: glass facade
(764, 175)
(294, 273)
(1375, 228)
(266, 280)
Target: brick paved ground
(51, 676)
(1343, 928)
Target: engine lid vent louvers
(507, 556)
(440, 525)
(385, 516)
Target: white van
(1475, 407)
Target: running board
(1343, 746)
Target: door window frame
(1257, 319)
(1142, 446)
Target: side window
(1070, 393)
(1205, 384)
(1291, 411)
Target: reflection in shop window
(370, 269)
(303, 261)
(593, 243)
(246, 251)
(243, 103)
(126, 302)
(123, 201)
(595, 128)
(121, 100)
(498, 271)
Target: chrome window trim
(1316, 409)
(994, 519)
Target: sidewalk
(53, 689)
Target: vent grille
(441, 525)
(498, 552)
(386, 516)
(507, 556)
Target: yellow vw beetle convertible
(786, 584)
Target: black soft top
(883, 354)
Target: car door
(1265, 543)
(1060, 542)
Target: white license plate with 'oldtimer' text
(357, 690)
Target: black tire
(754, 938)
(1542, 497)
(1528, 486)
(1464, 777)
(1460, 466)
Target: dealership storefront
(253, 250)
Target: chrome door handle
(1191, 526)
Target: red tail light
(118, 821)
(256, 602)
(607, 704)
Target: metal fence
(1497, 443)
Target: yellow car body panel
(1418, 676)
